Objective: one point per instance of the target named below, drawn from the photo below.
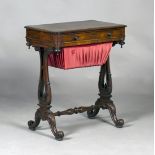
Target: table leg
(44, 97)
(105, 90)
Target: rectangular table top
(74, 26)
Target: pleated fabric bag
(80, 56)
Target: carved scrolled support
(33, 124)
(44, 89)
(51, 120)
(45, 97)
(105, 81)
(112, 109)
(105, 90)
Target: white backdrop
(132, 66)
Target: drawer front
(39, 38)
(89, 37)
(58, 40)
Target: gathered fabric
(80, 56)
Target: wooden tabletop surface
(74, 26)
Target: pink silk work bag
(80, 56)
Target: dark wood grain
(74, 26)
(59, 35)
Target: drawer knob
(109, 34)
(75, 38)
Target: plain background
(132, 72)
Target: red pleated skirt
(80, 56)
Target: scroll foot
(119, 123)
(112, 109)
(33, 124)
(58, 134)
(94, 111)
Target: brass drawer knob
(109, 35)
(75, 38)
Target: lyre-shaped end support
(45, 97)
(105, 90)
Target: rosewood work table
(90, 41)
